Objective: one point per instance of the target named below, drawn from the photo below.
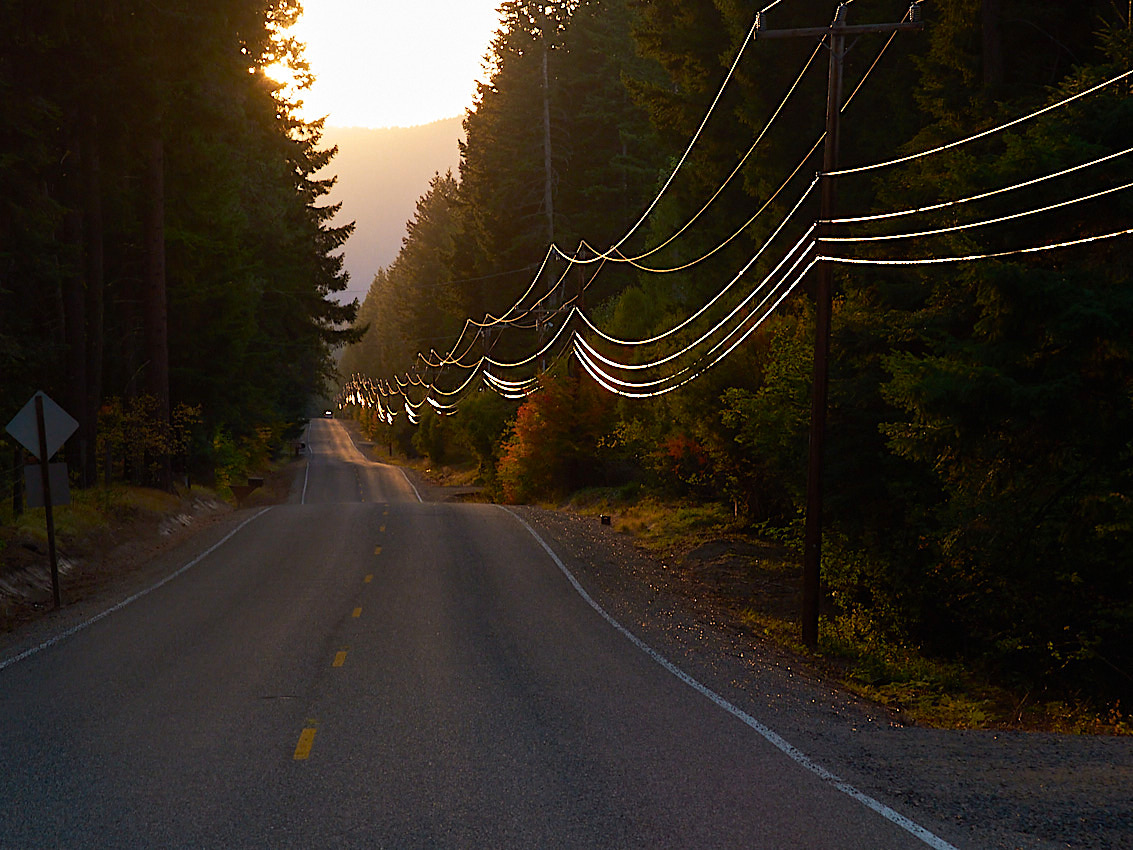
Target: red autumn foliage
(685, 459)
(555, 444)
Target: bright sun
(392, 63)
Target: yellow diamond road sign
(57, 423)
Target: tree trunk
(548, 190)
(95, 289)
(992, 18)
(74, 300)
(155, 308)
(17, 481)
(548, 181)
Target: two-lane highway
(360, 669)
(338, 473)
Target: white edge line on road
(410, 483)
(307, 471)
(74, 630)
(771, 736)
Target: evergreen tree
(1012, 393)
(156, 173)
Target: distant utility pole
(812, 543)
(548, 169)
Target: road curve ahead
(362, 670)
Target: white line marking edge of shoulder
(307, 471)
(74, 630)
(410, 483)
(771, 736)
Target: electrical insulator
(915, 13)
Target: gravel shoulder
(975, 789)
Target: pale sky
(394, 63)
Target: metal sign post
(43, 466)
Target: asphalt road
(361, 669)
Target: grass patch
(922, 690)
(782, 630)
(951, 695)
(463, 474)
(664, 527)
(457, 472)
(89, 510)
(92, 510)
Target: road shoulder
(974, 788)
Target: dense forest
(979, 475)
(165, 266)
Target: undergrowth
(659, 525)
(947, 694)
(93, 509)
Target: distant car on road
(329, 413)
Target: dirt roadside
(122, 551)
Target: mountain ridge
(381, 175)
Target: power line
(866, 261)
(865, 76)
(959, 227)
(634, 261)
(734, 235)
(491, 321)
(1066, 101)
(541, 352)
(604, 257)
(611, 384)
(982, 195)
(695, 137)
(720, 294)
(610, 253)
(458, 362)
(704, 337)
(802, 252)
(708, 355)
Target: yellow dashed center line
(377, 550)
(382, 528)
(306, 741)
(368, 579)
(357, 613)
(339, 658)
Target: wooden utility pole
(548, 169)
(812, 542)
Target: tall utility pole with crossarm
(812, 543)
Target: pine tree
(227, 221)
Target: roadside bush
(556, 444)
(132, 440)
(685, 462)
(431, 438)
(482, 426)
